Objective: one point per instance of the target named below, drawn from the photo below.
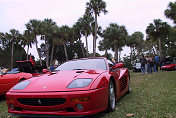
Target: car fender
(101, 81)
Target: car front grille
(41, 101)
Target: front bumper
(98, 102)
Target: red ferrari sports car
(9, 79)
(76, 88)
(169, 67)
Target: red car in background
(25, 71)
(76, 88)
(169, 67)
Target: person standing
(157, 60)
(143, 62)
(151, 64)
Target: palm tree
(13, 37)
(158, 30)
(117, 36)
(104, 45)
(77, 34)
(28, 40)
(65, 38)
(47, 27)
(85, 23)
(138, 39)
(56, 41)
(2, 39)
(96, 7)
(34, 27)
(170, 12)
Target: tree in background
(77, 35)
(104, 45)
(66, 38)
(170, 43)
(138, 39)
(27, 40)
(158, 31)
(96, 7)
(170, 12)
(34, 27)
(47, 30)
(117, 36)
(85, 23)
(12, 37)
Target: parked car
(24, 71)
(137, 67)
(170, 65)
(76, 88)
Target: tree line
(64, 42)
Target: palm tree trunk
(38, 51)
(12, 55)
(116, 53)
(52, 52)
(131, 52)
(81, 48)
(106, 52)
(138, 52)
(119, 54)
(94, 39)
(21, 53)
(86, 44)
(160, 54)
(154, 50)
(65, 49)
(27, 52)
(47, 52)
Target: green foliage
(170, 12)
(97, 55)
(5, 56)
(127, 63)
(158, 32)
(96, 7)
(116, 36)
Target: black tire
(111, 97)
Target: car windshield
(82, 64)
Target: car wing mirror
(118, 65)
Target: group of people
(149, 64)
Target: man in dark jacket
(143, 62)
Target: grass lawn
(152, 96)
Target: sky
(135, 15)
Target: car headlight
(79, 83)
(21, 85)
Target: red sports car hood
(58, 81)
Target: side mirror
(44, 71)
(118, 65)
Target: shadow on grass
(2, 97)
(99, 115)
